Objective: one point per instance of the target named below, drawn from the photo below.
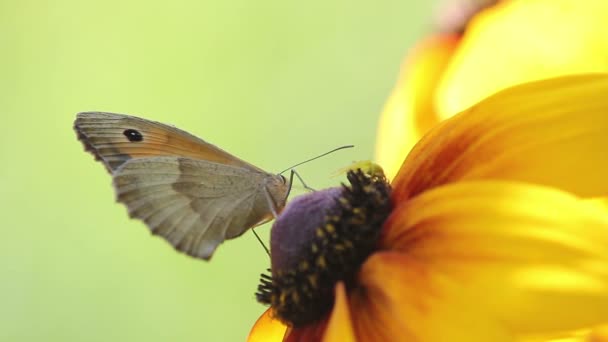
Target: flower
(505, 44)
(498, 229)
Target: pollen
(342, 233)
(320, 233)
(321, 262)
(313, 279)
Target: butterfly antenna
(317, 157)
(260, 241)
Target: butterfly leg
(294, 172)
(273, 209)
(271, 205)
(260, 241)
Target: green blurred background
(274, 82)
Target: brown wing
(116, 138)
(196, 205)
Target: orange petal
(550, 132)
(410, 111)
(266, 328)
(340, 327)
(531, 258)
(521, 41)
(310, 333)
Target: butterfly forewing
(116, 138)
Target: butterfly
(188, 191)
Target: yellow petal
(532, 258)
(267, 328)
(410, 112)
(551, 132)
(522, 41)
(595, 334)
(340, 328)
(572, 336)
(599, 334)
(601, 202)
(401, 299)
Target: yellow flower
(506, 44)
(492, 234)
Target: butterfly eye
(133, 135)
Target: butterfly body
(190, 192)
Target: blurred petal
(267, 328)
(531, 258)
(340, 327)
(521, 41)
(410, 112)
(454, 15)
(551, 132)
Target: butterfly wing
(195, 205)
(190, 192)
(116, 138)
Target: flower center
(319, 239)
